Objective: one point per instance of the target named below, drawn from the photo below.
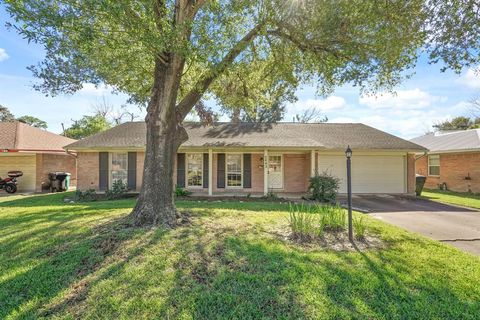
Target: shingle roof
(450, 141)
(228, 135)
(22, 137)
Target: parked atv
(10, 184)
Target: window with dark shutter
(221, 170)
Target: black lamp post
(348, 154)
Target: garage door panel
(26, 164)
(370, 174)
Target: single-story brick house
(243, 158)
(34, 151)
(453, 160)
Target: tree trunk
(155, 205)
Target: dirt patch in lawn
(336, 241)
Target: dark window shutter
(247, 170)
(181, 170)
(132, 171)
(103, 173)
(221, 170)
(205, 170)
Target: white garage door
(370, 174)
(23, 163)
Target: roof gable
(255, 135)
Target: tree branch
(305, 46)
(187, 103)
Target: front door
(275, 172)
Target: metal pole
(349, 190)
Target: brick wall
(87, 170)
(140, 163)
(454, 168)
(411, 173)
(296, 172)
(47, 163)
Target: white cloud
(470, 79)
(402, 99)
(328, 104)
(91, 89)
(3, 54)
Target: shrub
(324, 187)
(118, 190)
(359, 227)
(302, 223)
(333, 218)
(181, 192)
(85, 196)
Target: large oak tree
(167, 54)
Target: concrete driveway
(454, 225)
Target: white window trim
(428, 166)
(110, 180)
(186, 170)
(226, 170)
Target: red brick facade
(87, 170)
(296, 173)
(46, 163)
(459, 171)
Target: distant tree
(311, 115)
(458, 123)
(87, 126)
(272, 114)
(5, 114)
(33, 121)
(103, 108)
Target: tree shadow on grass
(69, 263)
(225, 276)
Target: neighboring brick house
(453, 160)
(245, 158)
(36, 152)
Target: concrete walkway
(450, 224)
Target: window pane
(118, 167)
(434, 170)
(194, 170)
(234, 170)
(434, 160)
(234, 180)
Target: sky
(429, 97)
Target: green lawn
(461, 199)
(83, 261)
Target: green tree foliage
(168, 54)
(87, 126)
(33, 121)
(458, 123)
(5, 114)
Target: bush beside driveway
(226, 260)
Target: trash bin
(59, 181)
(419, 183)
(66, 182)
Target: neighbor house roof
(450, 141)
(254, 135)
(18, 136)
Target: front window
(118, 167)
(234, 170)
(194, 169)
(434, 165)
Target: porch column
(210, 172)
(312, 163)
(265, 172)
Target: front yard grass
(226, 261)
(458, 198)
